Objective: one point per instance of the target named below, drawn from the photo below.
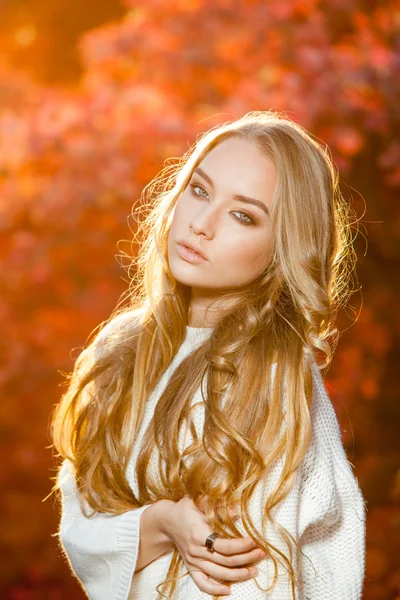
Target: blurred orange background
(94, 97)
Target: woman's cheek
(255, 258)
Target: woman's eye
(193, 186)
(245, 221)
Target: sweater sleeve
(101, 550)
(332, 531)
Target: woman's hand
(187, 528)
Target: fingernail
(226, 590)
(254, 570)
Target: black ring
(210, 540)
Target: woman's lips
(189, 255)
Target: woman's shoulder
(128, 319)
(111, 334)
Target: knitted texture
(324, 511)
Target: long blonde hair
(285, 316)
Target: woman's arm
(153, 541)
(333, 550)
(332, 510)
(102, 550)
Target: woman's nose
(205, 222)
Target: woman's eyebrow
(238, 197)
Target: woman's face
(235, 236)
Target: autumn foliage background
(94, 97)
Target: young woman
(202, 454)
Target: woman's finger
(234, 560)
(227, 546)
(206, 585)
(220, 572)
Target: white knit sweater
(324, 511)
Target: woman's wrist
(162, 515)
(153, 540)
(164, 512)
